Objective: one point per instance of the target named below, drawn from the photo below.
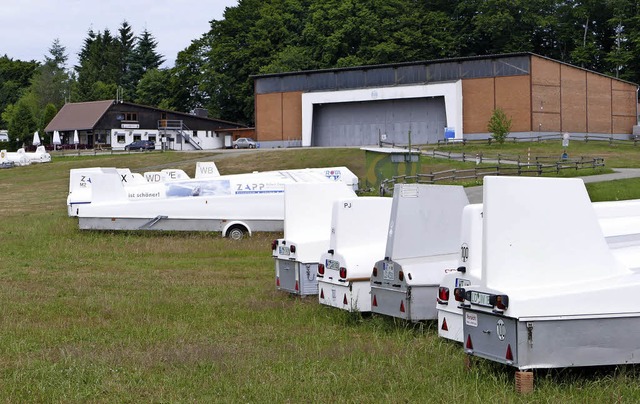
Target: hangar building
(431, 100)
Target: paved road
(475, 193)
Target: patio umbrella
(36, 139)
(56, 137)
(75, 138)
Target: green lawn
(192, 317)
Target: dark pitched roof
(78, 115)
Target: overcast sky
(28, 27)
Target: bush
(499, 125)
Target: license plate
(388, 272)
(461, 283)
(333, 264)
(284, 250)
(481, 299)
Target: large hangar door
(360, 123)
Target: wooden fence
(534, 169)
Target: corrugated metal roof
(79, 115)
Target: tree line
(272, 36)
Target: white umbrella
(56, 137)
(36, 139)
(75, 138)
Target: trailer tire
(236, 232)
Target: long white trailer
(307, 229)
(422, 246)
(358, 236)
(24, 158)
(552, 293)
(618, 220)
(233, 204)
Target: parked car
(244, 143)
(141, 145)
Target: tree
(499, 125)
(144, 57)
(154, 89)
(22, 123)
(15, 77)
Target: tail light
(274, 244)
(458, 294)
(443, 294)
(375, 272)
(400, 276)
(500, 301)
(320, 269)
(292, 248)
(343, 272)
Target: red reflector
(401, 276)
(375, 302)
(296, 285)
(292, 248)
(458, 294)
(320, 269)
(321, 294)
(402, 306)
(444, 325)
(375, 272)
(345, 301)
(509, 355)
(343, 272)
(443, 294)
(277, 281)
(274, 244)
(469, 344)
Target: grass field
(192, 317)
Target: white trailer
(422, 246)
(234, 204)
(552, 292)
(620, 224)
(307, 227)
(358, 236)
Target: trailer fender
(236, 230)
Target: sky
(29, 27)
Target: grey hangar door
(360, 123)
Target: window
(152, 137)
(131, 116)
(195, 133)
(136, 137)
(121, 138)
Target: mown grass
(174, 317)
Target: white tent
(36, 139)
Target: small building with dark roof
(424, 102)
(116, 124)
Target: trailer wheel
(236, 232)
